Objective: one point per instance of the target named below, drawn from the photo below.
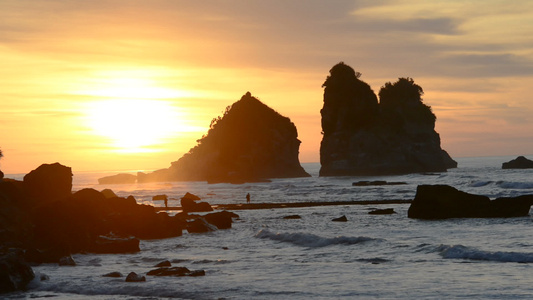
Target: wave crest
(463, 252)
(311, 240)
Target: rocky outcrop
(364, 137)
(443, 201)
(250, 142)
(189, 204)
(49, 182)
(518, 163)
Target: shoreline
(248, 206)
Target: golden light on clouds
(133, 84)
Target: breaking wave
(463, 252)
(311, 240)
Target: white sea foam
(463, 252)
(311, 240)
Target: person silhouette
(248, 198)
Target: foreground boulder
(364, 137)
(249, 143)
(15, 273)
(518, 163)
(443, 201)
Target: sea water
(265, 256)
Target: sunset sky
(131, 85)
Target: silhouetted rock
(340, 219)
(118, 179)
(134, 277)
(189, 204)
(108, 193)
(518, 163)
(15, 273)
(49, 182)
(443, 201)
(250, 142)
(386, 211)
(362, 137)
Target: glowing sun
(134, 125)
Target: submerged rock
(518, 163)
(340, 219)
(385, 211)
(362, 137)
(250, 142)
(443, 201)
(134, 277)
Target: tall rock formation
(250, 142)
(364, 137)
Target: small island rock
(364, 137)
(250, 142)
(518, 163)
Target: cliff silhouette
(250, 142)
(364, 137)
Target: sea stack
(364, 137)
(250, 142)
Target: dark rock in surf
(292, 217)
(250, 142)
(362, 137)
(386, 211)
(518, 163)
(376, 183)
(134, 277)
(15, 273)
(340, 219)
(165, 263)
(113, 245)
(67, 261)
(113, 275)
(176, 272)
(442, 201)
(222, 220)
(199, 225)
(118, 179)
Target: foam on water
(463, 252)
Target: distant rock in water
(443, 201)
(118, 179)
(518, 163)
(250, 142)
(364, 137)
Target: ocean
(265, 256)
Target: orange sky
(131, 85)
